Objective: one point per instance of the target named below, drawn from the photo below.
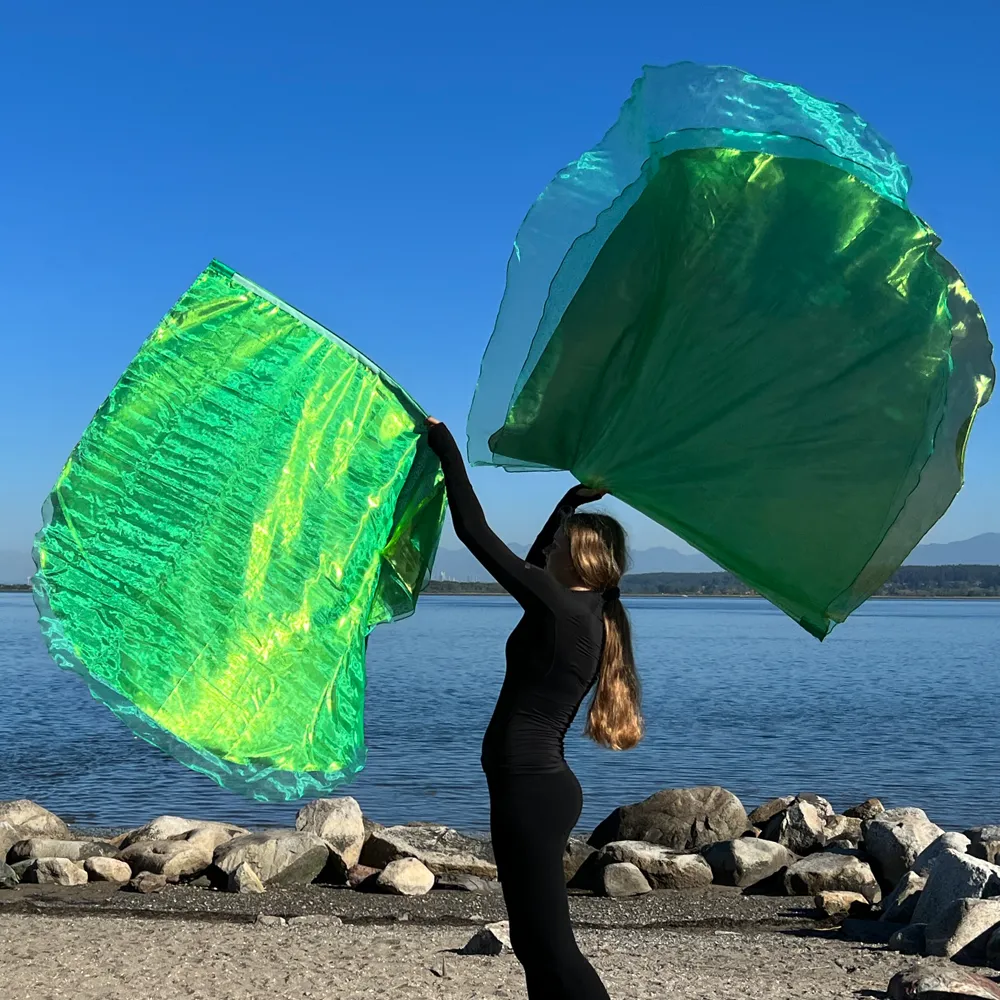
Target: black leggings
(531, 818)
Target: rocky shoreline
(690, 859)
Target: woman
(574, 634)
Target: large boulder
(148, 883)
(575, 856)
(938, 982)
(963, 928)
(844, 831)
(866, 811)
(173, 859)
(746, 861)
(9, 836)
(244, 879)
(337, 821)
(909, 940)
(405, 877)
(462, 883)
(663, 868)
(955, 876)
(621, 879)
(895, 839)
(279, 857)
(682, 819)
(984, 843)
(946, 842)
(8, 877)
(101, 869)
(993, 950)
(760, 816)
(898, 906)
(443, 850)
(45, 847)
(800, 826)
(32, 819)
(837, 904)
(55, 871)
(832, 873)
(201, 834)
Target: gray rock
(993, 950)
(663, 868)
(269, 920)
(760, 816)
(362, 876)
(962, 929)
(8, 877)
(20, 867)
(985, 843)
(244, 879)
(443, 850)
(148, 882)
(682, 819)
(577, 852)
(835, 904)
(821, 805)
(895, 839)
(938, 982)
(174, 859)
(337, 821)
(832, 872)
(746, 861)
(867, 811)
(46, 847)
(32, 819)
(946, 842)
(101, 869)
(621, 878)
(955, 876)
(55, 871)
(910, 940)
(898, 906)
(201, 834)
(464, 883)
(9, 836)
(844, 831)
(801, 827)
(279, 857)
(489, 940)
(406, 877)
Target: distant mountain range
(983, 550)
(458, 564)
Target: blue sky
(371, 163)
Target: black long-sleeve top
(554, 652)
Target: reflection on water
(899, 702)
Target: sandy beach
(128, 958)
(99, 943)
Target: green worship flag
(250, 501)
(726, 315)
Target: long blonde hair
(598, 549)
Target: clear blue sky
(370, 163)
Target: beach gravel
(112, 958)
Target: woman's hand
(584, 494)
(432, 421)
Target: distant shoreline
(730, 597)
(496, 591)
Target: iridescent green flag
(726, 315)
(251, 500)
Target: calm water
(901, 702)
